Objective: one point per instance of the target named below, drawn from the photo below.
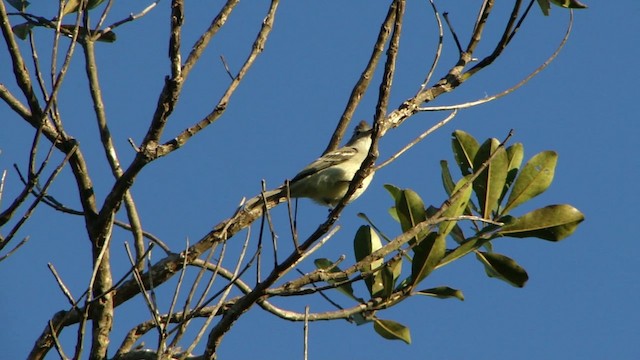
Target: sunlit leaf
(427, 254)
(545, 5)
(72, 5)
(465, 148)
(366, 242)
(553, 223)
(327, 265)
(503, 268)
(442, 292)
(534, 179)
(392, 330)
(489, 184)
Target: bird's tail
(270, 196)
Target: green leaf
(471, 245)
(392, 330)
(20, 5)
(388, 282)
(327, 265)
(427, 255)
(73, 6)
(395, 194)
(393, 191)
(22, 30)
(515, 154)
(545, 5)
(442, 292)
(503, 268)
(366, 242)
(447, 180)
(411, 212)
(465, 148)
(553, 223)
(490, 183)
(456, 208)
(571, 4)
(533, 180)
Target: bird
(327, 179)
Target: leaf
(442, 292)
(366, 242)
(395, 194)
(489, 184)
(327, 265)
(515, 154)
(465, 148)
(411, 212)
(545, 5)
(20, 5)
(534, 179)
(72, 6)
(471, 245)
(427, 255)
(456, 208)
(22, 30)
(388, 282)
(447, 180)
(553, 223)
(571, 4)
(503, 268)
(392, 330)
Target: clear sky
(581, 298)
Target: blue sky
(581, 298)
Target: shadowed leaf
(327, 265)
(427, 254)
(515, 154)
(442, 292)
(365, 242)
(503, 268)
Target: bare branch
(363, 82)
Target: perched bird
(327, 179)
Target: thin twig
(226, 67)
(131, 17)
(363, 82)
(417, 140)
(453, 32)
(61, 284)
(438, 52)
(306, 333)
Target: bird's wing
(327, 160)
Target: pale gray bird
(327, 179)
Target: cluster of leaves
(545, 5)
(500, 184)
(71, 6)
